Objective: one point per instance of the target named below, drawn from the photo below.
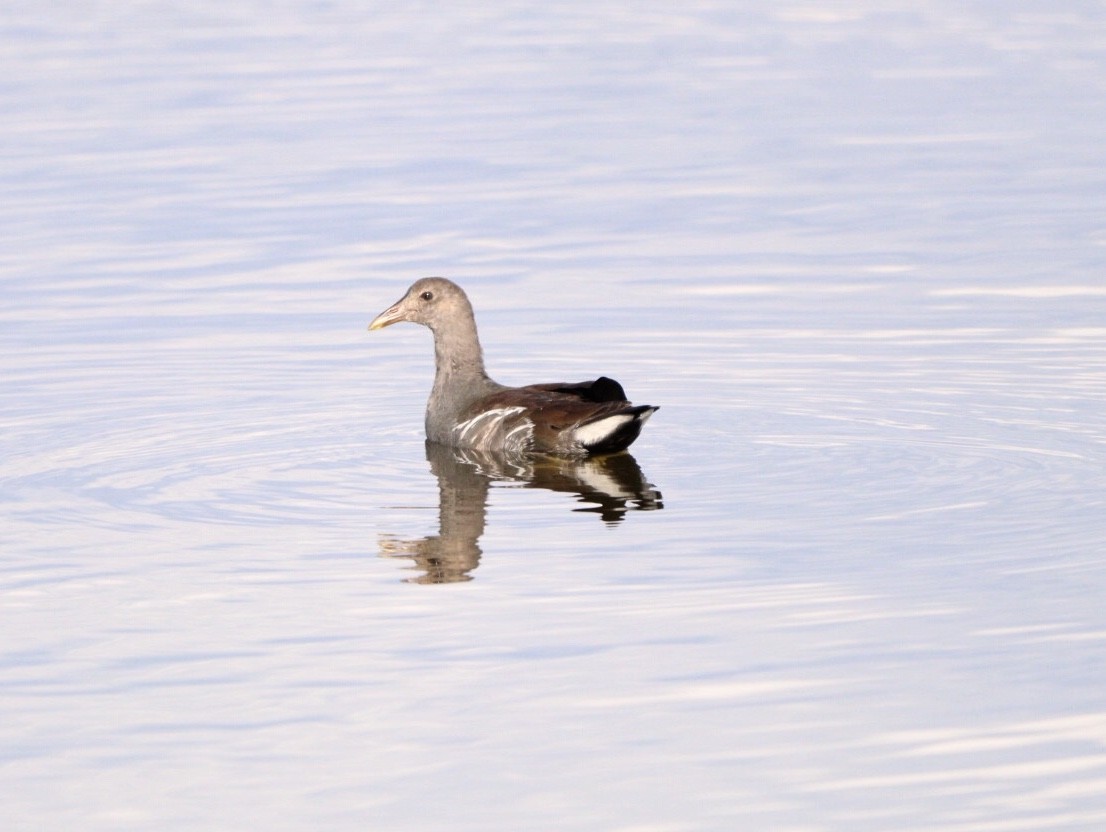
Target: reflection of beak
(392, 315)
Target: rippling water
(851, 576)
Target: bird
(467, 409)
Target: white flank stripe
(475, 432)
(518, 437)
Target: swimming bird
(467, 409)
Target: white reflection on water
(854, 253)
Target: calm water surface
(851, 576)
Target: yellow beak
(392, 315)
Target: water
(851, 577)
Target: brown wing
(555, 415)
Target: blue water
(851, 577)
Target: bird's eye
(427, 296)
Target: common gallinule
(468, 410)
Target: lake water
(851, 577)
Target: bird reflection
(609, 486)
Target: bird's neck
(458, 358)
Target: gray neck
(458, 357)
(459, 376)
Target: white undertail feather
(595, 432)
